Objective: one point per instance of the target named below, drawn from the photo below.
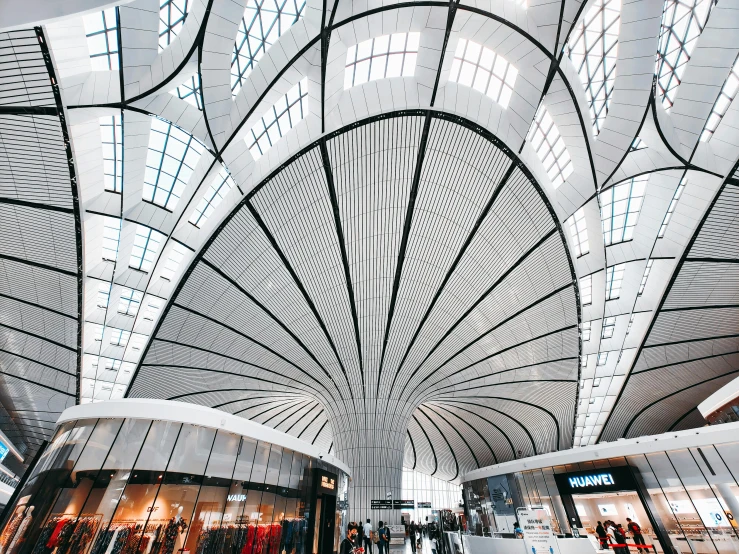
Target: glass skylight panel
(101, 29)
(219, 188)
(172, 157)
(172, 265)
(172, 14)
(119, 337)
(264, 21)
(682, 24)
(482, 69)
(586, 290)
(602, 358)
(671, 209)
(724, 100)
(381, 57)
(111, 135)
(593, 49)
(609, 325)
(283, 116)
(190, 92)
(130, 302)
(153, 308)
(644, 278)
(614, 278)
(637, 144)
(586, 327)
(103, 296)
(111, 238)
(579, 232)
(545, 139)
(619, 209)
(146, 246)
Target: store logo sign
(236, 497)
(600, 480)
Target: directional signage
(381, 504)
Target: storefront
(174, 478)
(680, 488)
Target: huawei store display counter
(159, 477)
(488, 545)
(679, 488)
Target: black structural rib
(486, 420)
(304, 405)
(682, 417)
(449, 446)
(34, 335)
(413, 447)
(298, 420)
(420, 156)
(431, 445)
(477, 462)
(468, 424)
(274, 405)
(310, 423)
(296, 406)
(453, 5)
(39, 265)
(462, 251)
(319, 432)
(249, 398)
(644, 409)
(38, 306)
(303, 291)
(274, 318)
(666, 293)
(342, 247)
(35, 205)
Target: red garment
(54, 538)
(249, 540)
(262, 537)
(275, 535)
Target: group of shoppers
(352, 544)
(613, 535)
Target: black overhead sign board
(391, 504)
(424, 504)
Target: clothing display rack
(131, 537)
(67, 534)
(264, 538)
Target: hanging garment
(22, 528)
(11, 528)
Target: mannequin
(174, 529)
(21, 530)
(11, 527)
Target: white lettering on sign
(236, 497)
(592, 481)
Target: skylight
(619, 209)
(586, 328)
(614, 277)
(586, 290)
(130, 302)
(172, 157)
(111, 238)
(579, 232)
(637, 144)
(146, 246)
(480, 68)
(727, 95)
(172, 265)
(609, 325)
(381, 57)
(172, 14)
(283, 116)
(647, 271)
(682, 24)
(101, 29)
(103, 296)
(671, 209)
(219, 188)
(190, 92)
(264, 21)
(549, 146)
(593, 49)
(119, 337)
(111, 135)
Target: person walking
(383, 543)
(367, 536)
(602, 536)
(635, 531)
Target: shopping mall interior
(273, 268)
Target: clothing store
(174, 478)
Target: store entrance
(323, 528)
(615, 507)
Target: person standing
(383, 544)
(635, 531)
(367, 536)
(348, 544)
(602, 536)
